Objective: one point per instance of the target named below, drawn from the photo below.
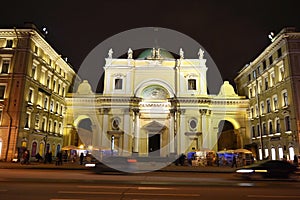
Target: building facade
(271, 82)
(34, 80)
(155, 105)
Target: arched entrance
(227, 139)
(84, 134)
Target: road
(78, 185)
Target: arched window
(33, 149)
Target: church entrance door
(154, 144)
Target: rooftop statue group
(155, 53)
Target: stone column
(180, 136)
(105, 141)
(127, 132)
(204, 127)
(171, 132)
(136, 130)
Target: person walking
(234, 162)
(81, 158)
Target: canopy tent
(70, 147)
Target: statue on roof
(181, 53)
(129, 53)
(110, 53)
(201, 53)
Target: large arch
(227, 138)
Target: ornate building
(271, 83)
(34, 80)
(155, 105)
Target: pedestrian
(81, 158)
(295, 161)
(234, 162)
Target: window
(33, 149)
(281, 73)
(285, 99)
(57, 108)
(61, 109)
(50, 126)
(268, 106)
(27, 122)
(270, 127)
(5, 66)
(256, 110)
(36, 49)
(63, 92)
(275, 103)
(51, 105)
(44, 124)
(9, 43)
(279, 52)
(249, 77)
(118, 84)
(54, 127)
(30, 94)
(272, 80)
(60, 128)
(258, 130)
(2, 91)
(58, 88)
(192, 84)
(54, 85)
(46, 103)
(266, 83)
(287, 123)
(264, 129)
(262, 108)
(254, 74)
(264, 65)
(253, 131)
(252, 112)
(33, 72)
(48, 82)
(270, 60)
(277, 125)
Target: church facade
(155, 105)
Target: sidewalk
(77, 166)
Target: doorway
(154, 144)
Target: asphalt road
(81, 184)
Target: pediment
(154, 126)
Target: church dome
(157, 54)
(227, 90)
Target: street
(81, 184)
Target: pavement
(77, 166)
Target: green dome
(148, 54)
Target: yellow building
(34, 80)
(155, 105)
(271, 83)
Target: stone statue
(157, 53)
(181, 53)
(110, 53)
(129, 53)
(153, 53)
(200, 53)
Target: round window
(115, 123)
(193, 124)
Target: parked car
(268, 169)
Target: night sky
(233, 32)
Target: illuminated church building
(156, 105)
